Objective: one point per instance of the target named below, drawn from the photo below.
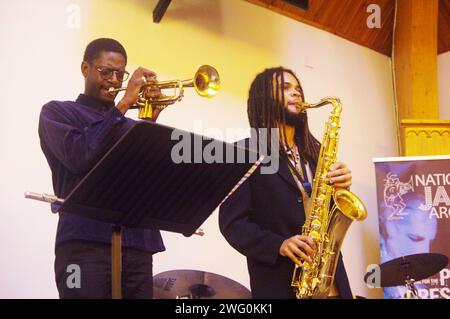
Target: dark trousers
(83, 270)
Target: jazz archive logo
(394, 189)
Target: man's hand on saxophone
(298, 247)
(340, 176)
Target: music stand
(138, 183)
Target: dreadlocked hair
(265, 110)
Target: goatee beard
(293, 119)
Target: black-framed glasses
(107, 73)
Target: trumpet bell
(206, 81)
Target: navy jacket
(256, 219)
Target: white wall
(40, 57)
(444, 85)
(41, 62)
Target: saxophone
(326, 226)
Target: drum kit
(407, 270)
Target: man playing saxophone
(263, 218)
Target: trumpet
(206, 83)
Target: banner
(414, 216)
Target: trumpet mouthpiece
(113, 90)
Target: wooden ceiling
(348, 19)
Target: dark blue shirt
(74, 136)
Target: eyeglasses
(107, 73)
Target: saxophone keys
(315, 282)
(315, 225)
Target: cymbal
(194, 284)
(416, 267)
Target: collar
(295, 155)
(94, 103)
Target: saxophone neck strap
(302, 178)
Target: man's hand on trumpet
(139, 78)
(155, 94)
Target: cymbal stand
(411, 289)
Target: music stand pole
(116, 262)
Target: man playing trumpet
(74, 135)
